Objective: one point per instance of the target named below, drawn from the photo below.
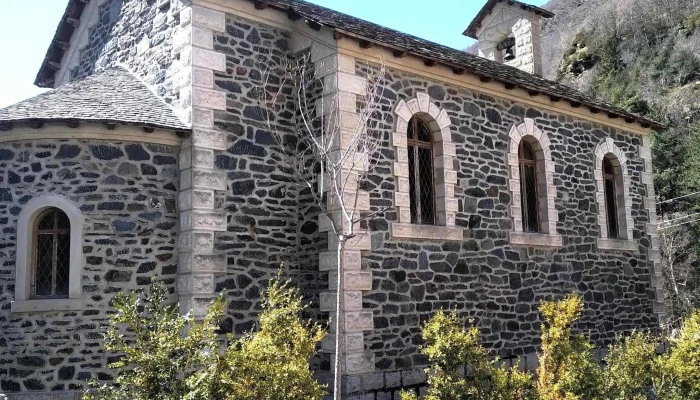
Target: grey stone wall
(128, 193)
(261, 202)
(484, 277)
(136, 34)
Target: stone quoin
(154, 146)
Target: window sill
(430, 232)
(535, 239)
(26, 306)
(617, 244)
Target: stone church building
(149, 159)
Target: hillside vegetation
(644, 56)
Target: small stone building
(150, 159)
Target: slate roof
(461, 61)
(457, 59)
(114, 95)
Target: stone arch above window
(617, 194)
(34, 212)
(422, 108)
(545, 233)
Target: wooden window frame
(612, 177)
(413, 127)
(55, 231)
(524, 190)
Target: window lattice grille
(421, 173)
(610, 198)
(52, 255)
(528, 187)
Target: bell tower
(508, 32)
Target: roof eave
(644, 122)
(11, 123)
(66, 28)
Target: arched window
(609, 178)
(613, 197)
(421, 172)
(51, 255)
(528, 187)
(49, 265)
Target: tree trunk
(339, 321)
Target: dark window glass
(52, 254)
(610, 200)
(420, 168)
(528, 188)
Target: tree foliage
(568, 369)
(168, 356)
(462, 369)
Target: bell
(509, 55)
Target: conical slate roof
(114, 95)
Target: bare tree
(329, 154)
(678, 260)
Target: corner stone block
(353, 343)
(195, 284)
(359, 363)
(325, 224)
(359, 200)
(193, 36)
(202, 263)
(197, 305)
(207, 18)
(202, 220)
(203, 158)
(352, 260)
(202, 118)
(208, 98)
(196, 199)
(359, 321)
(203, 77)
(353, 301)
(207, 179)
(208, 59)
(209, 139)
(354, 280)
(202, 242)
(362, 241)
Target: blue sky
(28, 27)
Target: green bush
(568, 369)
(167, 356)
(272, 363)
(677, 372)
(629, 373)
(158, 361)
(452, 350)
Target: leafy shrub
(568, 369)
(452, 349)
(273, 363)
(167, 356)
(629, 373)
(677, 373)
(158, 360)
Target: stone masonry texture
(483, 277)
(136, 34)
(128, 194)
